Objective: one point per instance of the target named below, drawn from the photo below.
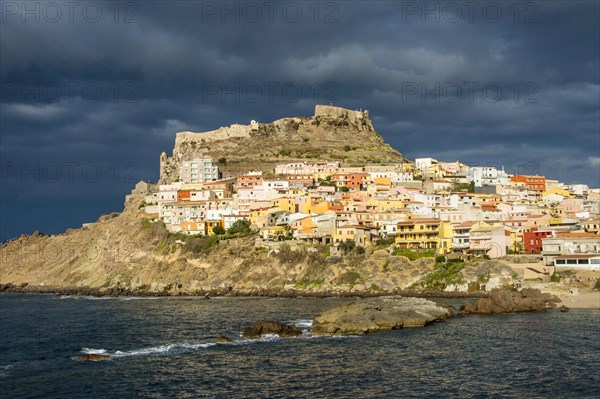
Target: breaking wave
(180, 348)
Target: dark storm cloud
(109, 94)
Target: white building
(424, 163)
(394, 176)
(168, 192)
(200, 170)
(572, 243)
(487, 176)
(307, 168)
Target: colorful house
(352, 181)
(361, 235)
(424, 234)
(532, 240)
(537, 183)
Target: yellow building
(425, 234)
(387, 205)
(304, 225)
(210, 224)
(383, 181)
(558, 191)
(361, 235)
(284, 204)
(445, 239)
(312, 205)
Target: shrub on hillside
(218, 230)
(287, 255)
(200, 245)
(240, 227)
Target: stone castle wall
(222, 133)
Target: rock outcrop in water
(266, 327)
(92, 357)
(506, 301)
(375, 314)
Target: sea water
(165, 347)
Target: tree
(518, 247)
(470, 187)
(344, 189)
(241, 226)
(222, 161)
(326, 182)
(218, 230)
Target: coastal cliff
(129, 253)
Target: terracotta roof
(420, 220)
(466, 224)
(578, 235)
(490, 208)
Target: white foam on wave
(166, 349)
(302, 323)
(92, 351)
(179, 348)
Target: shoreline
(231, 292)
(584, 300)
(581, 300)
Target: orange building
(537, 183)
(251, 180)
(183, 195)
(353, 181)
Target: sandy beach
(581, 300)
(571, 296)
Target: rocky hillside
(332, 133)
(128, 252)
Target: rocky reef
(375, 314)
(268, 327)
(364, 316)
(506, 301)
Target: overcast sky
(92, 92)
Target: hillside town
(427, 207)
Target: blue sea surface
(165, 348)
